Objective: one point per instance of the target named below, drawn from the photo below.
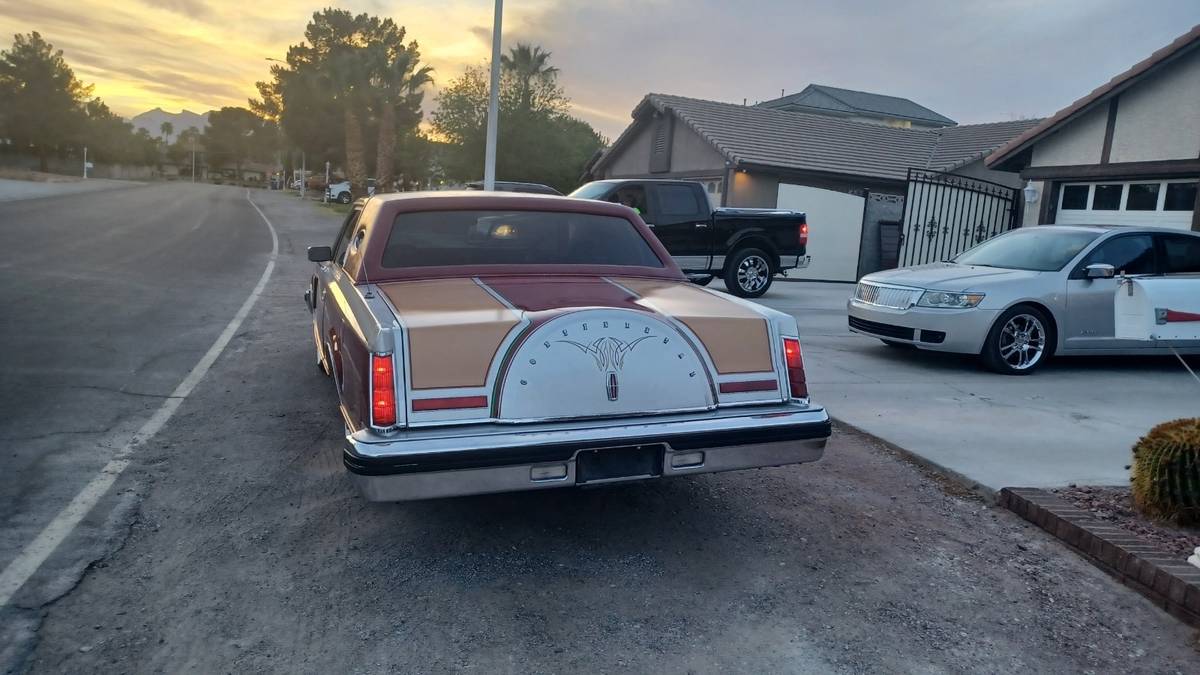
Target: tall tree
(398, 82)
(528, 64)
(41, 101)
(235, 135)
(537, 141)
(337, 78)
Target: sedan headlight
(947, 300)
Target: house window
(1074, 197)
(1107, 197)
(1142, 197)
(1180, 197)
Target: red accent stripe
(1181, 317)
(452, 403)
(752, 385)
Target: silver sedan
(1019, 298)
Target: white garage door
(834, 230)
(1158, 203)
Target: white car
(340, 192)
(1021, 297)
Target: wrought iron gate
(945, 214)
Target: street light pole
(489, 159)
(193, 158)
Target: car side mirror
(1100, 271)
(701, 279)
(320, 254)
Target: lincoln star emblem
(609, 353)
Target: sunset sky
(972, 61)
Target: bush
(1166, 472)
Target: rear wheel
(1019, 342)
(748, 273)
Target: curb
(1169, 583)
(947, 474)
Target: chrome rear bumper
(465, 460)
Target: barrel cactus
(1166, 472)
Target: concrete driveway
(1074, 421)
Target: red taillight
(383, 391)
(803, 234)
(795, 367)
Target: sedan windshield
(1036, 249)
(450, 238)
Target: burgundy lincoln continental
(488, 342)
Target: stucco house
(1128, 152)
(848, 171)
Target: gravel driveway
(240, 546)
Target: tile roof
(859, 101)
(968, 142)
(820, 143)
(1123, 81)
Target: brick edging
(1171, 584)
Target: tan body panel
(455, 328)
(735, 336)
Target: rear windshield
(450, 238)
(1039, 250)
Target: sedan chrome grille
(886, 296)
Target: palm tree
(397, 83)
(527, 63)
(167, 129)
(349, 82)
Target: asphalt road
(235, 543)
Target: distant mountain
(152, 121)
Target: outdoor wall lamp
(1031, 193)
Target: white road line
(37, 551)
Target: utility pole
(85, 161)
(193, 158)
(303, 176)
(325, 197)
(489, 160)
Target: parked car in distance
(745, 247)
(1019, 298)
(340, 191)
(514, 186)
(490, 342)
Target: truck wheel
(1019, 343)
(344, 197)
(748, 273)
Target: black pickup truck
(746, 247)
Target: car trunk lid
(536, 348)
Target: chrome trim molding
(452, 444)
(517, 477)
(886, 295)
